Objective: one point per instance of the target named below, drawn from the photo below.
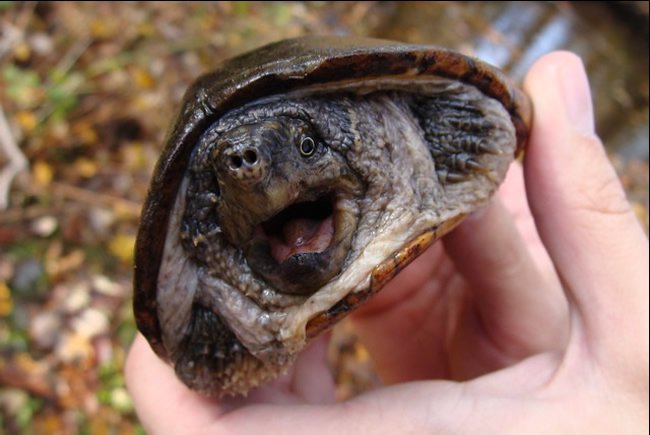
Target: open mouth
(303, 246)
(303, 227)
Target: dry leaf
(6, 304)
(42, 173)
(121, 246)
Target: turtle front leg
(465, 132)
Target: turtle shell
(282, 68)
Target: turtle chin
(302, 247)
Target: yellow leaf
(22, 52)
(102, 28)
(85, 167)
(74, 347)
(146, 101)
(143, 79)
(124, 211)
(121, 400)
(6, 304)
(133, 156)
(26, 120)
(42, 173)
(48, 423)
(86, 132)
(640, 212)
(28, 364)
(145, 28)
(122, 247)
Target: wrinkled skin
(260, 170)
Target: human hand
(498, 329)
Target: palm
(431, 312)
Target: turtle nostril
(250, 156)
(236, 161)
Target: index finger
(583, 217)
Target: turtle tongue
(299, 231)
(301, 235)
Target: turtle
(296, 181)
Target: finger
(426, 407)
(311, 377)
(512, 194)
(166, 407)
(162, 402)
(402, 326)
(413, 408)
(308, 380)
(583, 217)
(511, 296)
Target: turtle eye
(307, 146)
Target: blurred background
(87, 93)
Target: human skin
(523, 320)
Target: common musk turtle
(297, 180)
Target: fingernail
(577, 96)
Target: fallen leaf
(26, 363)
(44, 226)
(102, 284)
(42, 173)
(26, 120)
(121, 246)
(86, 132)
(86, 167)
(90, 323)
(78, 297)
(120, 400)
(74, 347)
(45, 328)
(142, 78)
(57, 264)
(6, 303)
(48, 422)
(22, 52)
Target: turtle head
(285, 202)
